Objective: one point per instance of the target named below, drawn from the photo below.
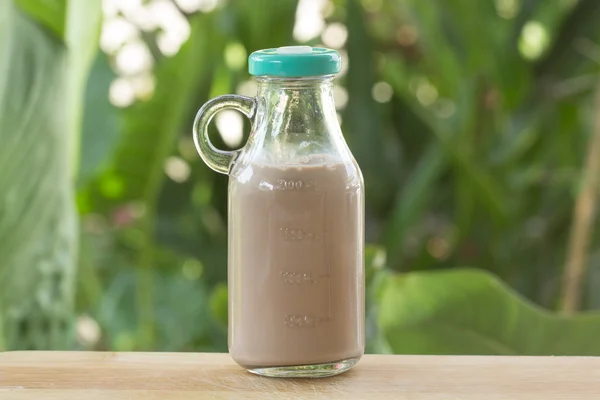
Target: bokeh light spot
(88, 331)
(507, 9)
(247, 88)
(382, 92)
(309, 20)
(134, 58)
(177, 169)
(121, 92)
(115, 33)
(534, 40)
(230, 124)
(335, 35)
(445, 108)
(192, 269)
(235, 56)
(426, 93)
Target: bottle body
(296, 264)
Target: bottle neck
(296, 116)
(317, 85)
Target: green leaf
(467, 311)
(39, 82)
(37, 217)
(51, 14)
(81, 37)
(101, 123)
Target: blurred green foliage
(470, 121)
(471, 312)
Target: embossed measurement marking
(304, 321)
(297, 278)
(300, 321)
(295, 235)
(293, 184)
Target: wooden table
(187, 376)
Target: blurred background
(476, 125)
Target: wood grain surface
(187, 376)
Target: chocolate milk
(296, 263)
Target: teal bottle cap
(294, 61)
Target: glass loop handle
(219, 160)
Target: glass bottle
(296, 220)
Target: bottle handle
(219, 160)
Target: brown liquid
(296, 278)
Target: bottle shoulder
(323, 170)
